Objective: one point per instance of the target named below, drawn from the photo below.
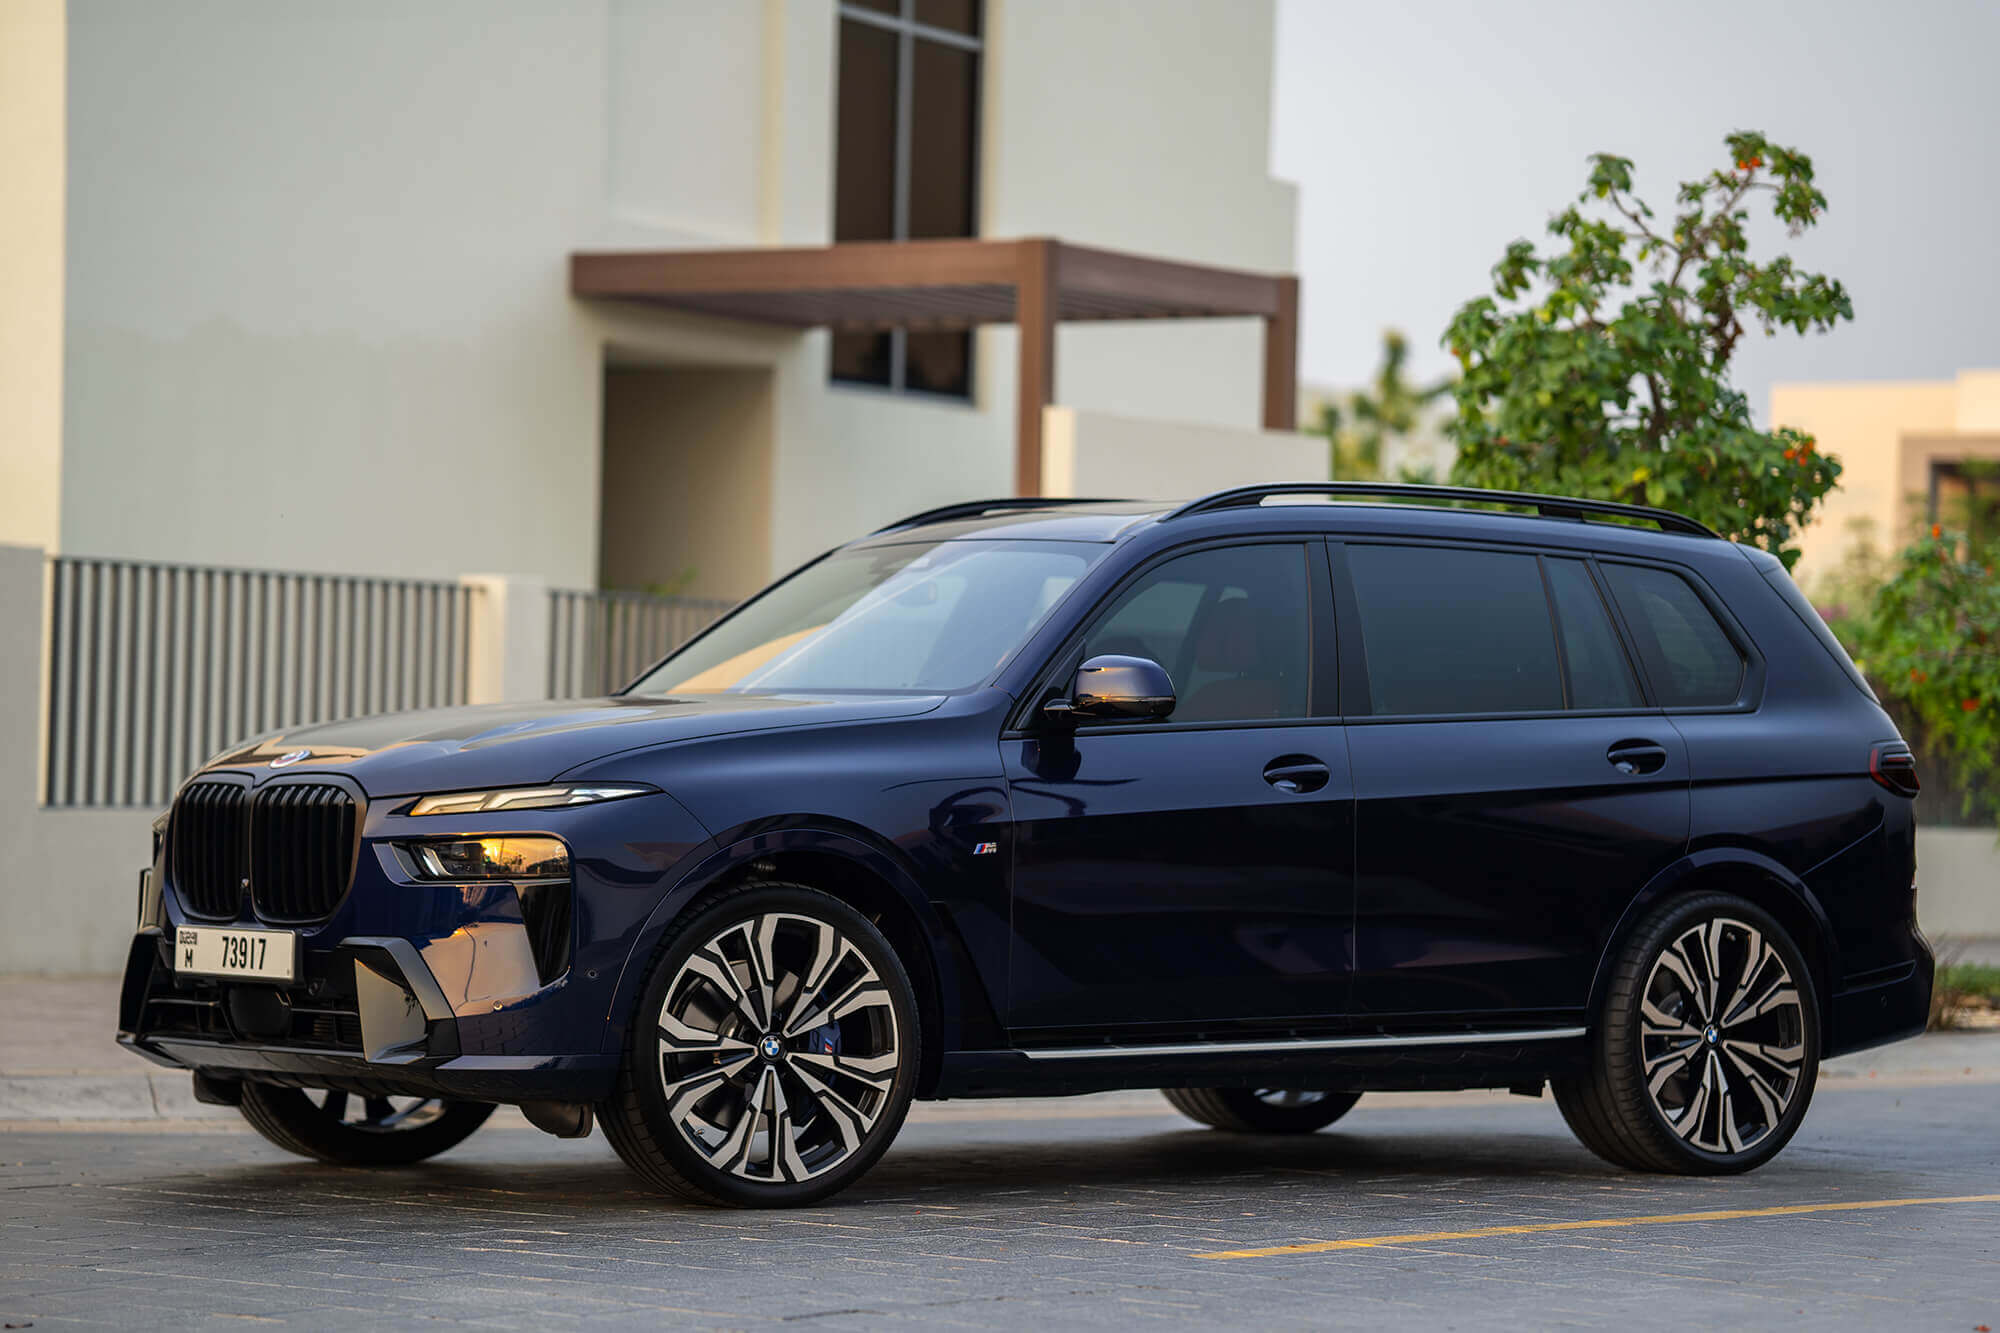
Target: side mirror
(1116, 687)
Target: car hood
(446, 749)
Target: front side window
(1232, 626)
(906, 158)
(1447, 630)
(922, 616)
(1688, 658)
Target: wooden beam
(650, 273)
(1281, 359)
(1164, 285)
(1035, 381)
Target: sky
(1425, 136)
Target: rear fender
(1749, 875)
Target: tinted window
(1232, 626)
(1689, 660)
(1599, 675)
(1454, 631)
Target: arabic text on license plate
(267, 955)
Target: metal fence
(601, 641)
(154, 667)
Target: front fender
(823, 836)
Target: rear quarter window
(1781, 581)
(1688, 657)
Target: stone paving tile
(1020, 1222)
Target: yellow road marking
(1593, 1224)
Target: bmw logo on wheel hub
(771, 1048)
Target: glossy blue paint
(1149, 881)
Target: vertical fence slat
(602, 641)
(154, 667)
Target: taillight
(1894, 767)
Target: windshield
(929, 616)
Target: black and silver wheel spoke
(1289, 1097)
(376, 1113)
(1721, 1036)
(778, 1048)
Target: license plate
(262, 955)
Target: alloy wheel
(1722, 1033)
(375, 1114)
(1289, 1097)
(778, 1048)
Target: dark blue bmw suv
(1270, 799)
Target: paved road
(1104, 1212)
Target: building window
(1966, 495)
(905, 167)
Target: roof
(946, 284)
(1066, 519)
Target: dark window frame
(908, 31)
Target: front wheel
(774, 1053)
(355, 1129)
(1262, 1110)
(1707, 1048)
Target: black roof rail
(1548, 506)
(974, 508)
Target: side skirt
(1372, 1062)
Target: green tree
(1360, 424)
(1601, 369)
(1930, 641)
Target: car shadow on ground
(965, 1170)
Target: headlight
(490, 858)
(526, 798)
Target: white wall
(1142, 125)
(1097, 453)
(317, 303)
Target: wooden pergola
(961, 284)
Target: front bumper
(368, 1016)
(485, 990)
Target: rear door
(1513, 787)
(1176, 875)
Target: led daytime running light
(526, 798)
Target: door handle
(1297, 773)
(1636, 757)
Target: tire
(766, 1111)
(1706, 1050)
(349, 1129)
(1261, 1110)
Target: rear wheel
(1707, 1048)
(352, 1129)
(774, 1055)
(1262, 1110)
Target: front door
(1514, 791)
(1170, 877)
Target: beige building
(375, 355)
(1902, 446)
